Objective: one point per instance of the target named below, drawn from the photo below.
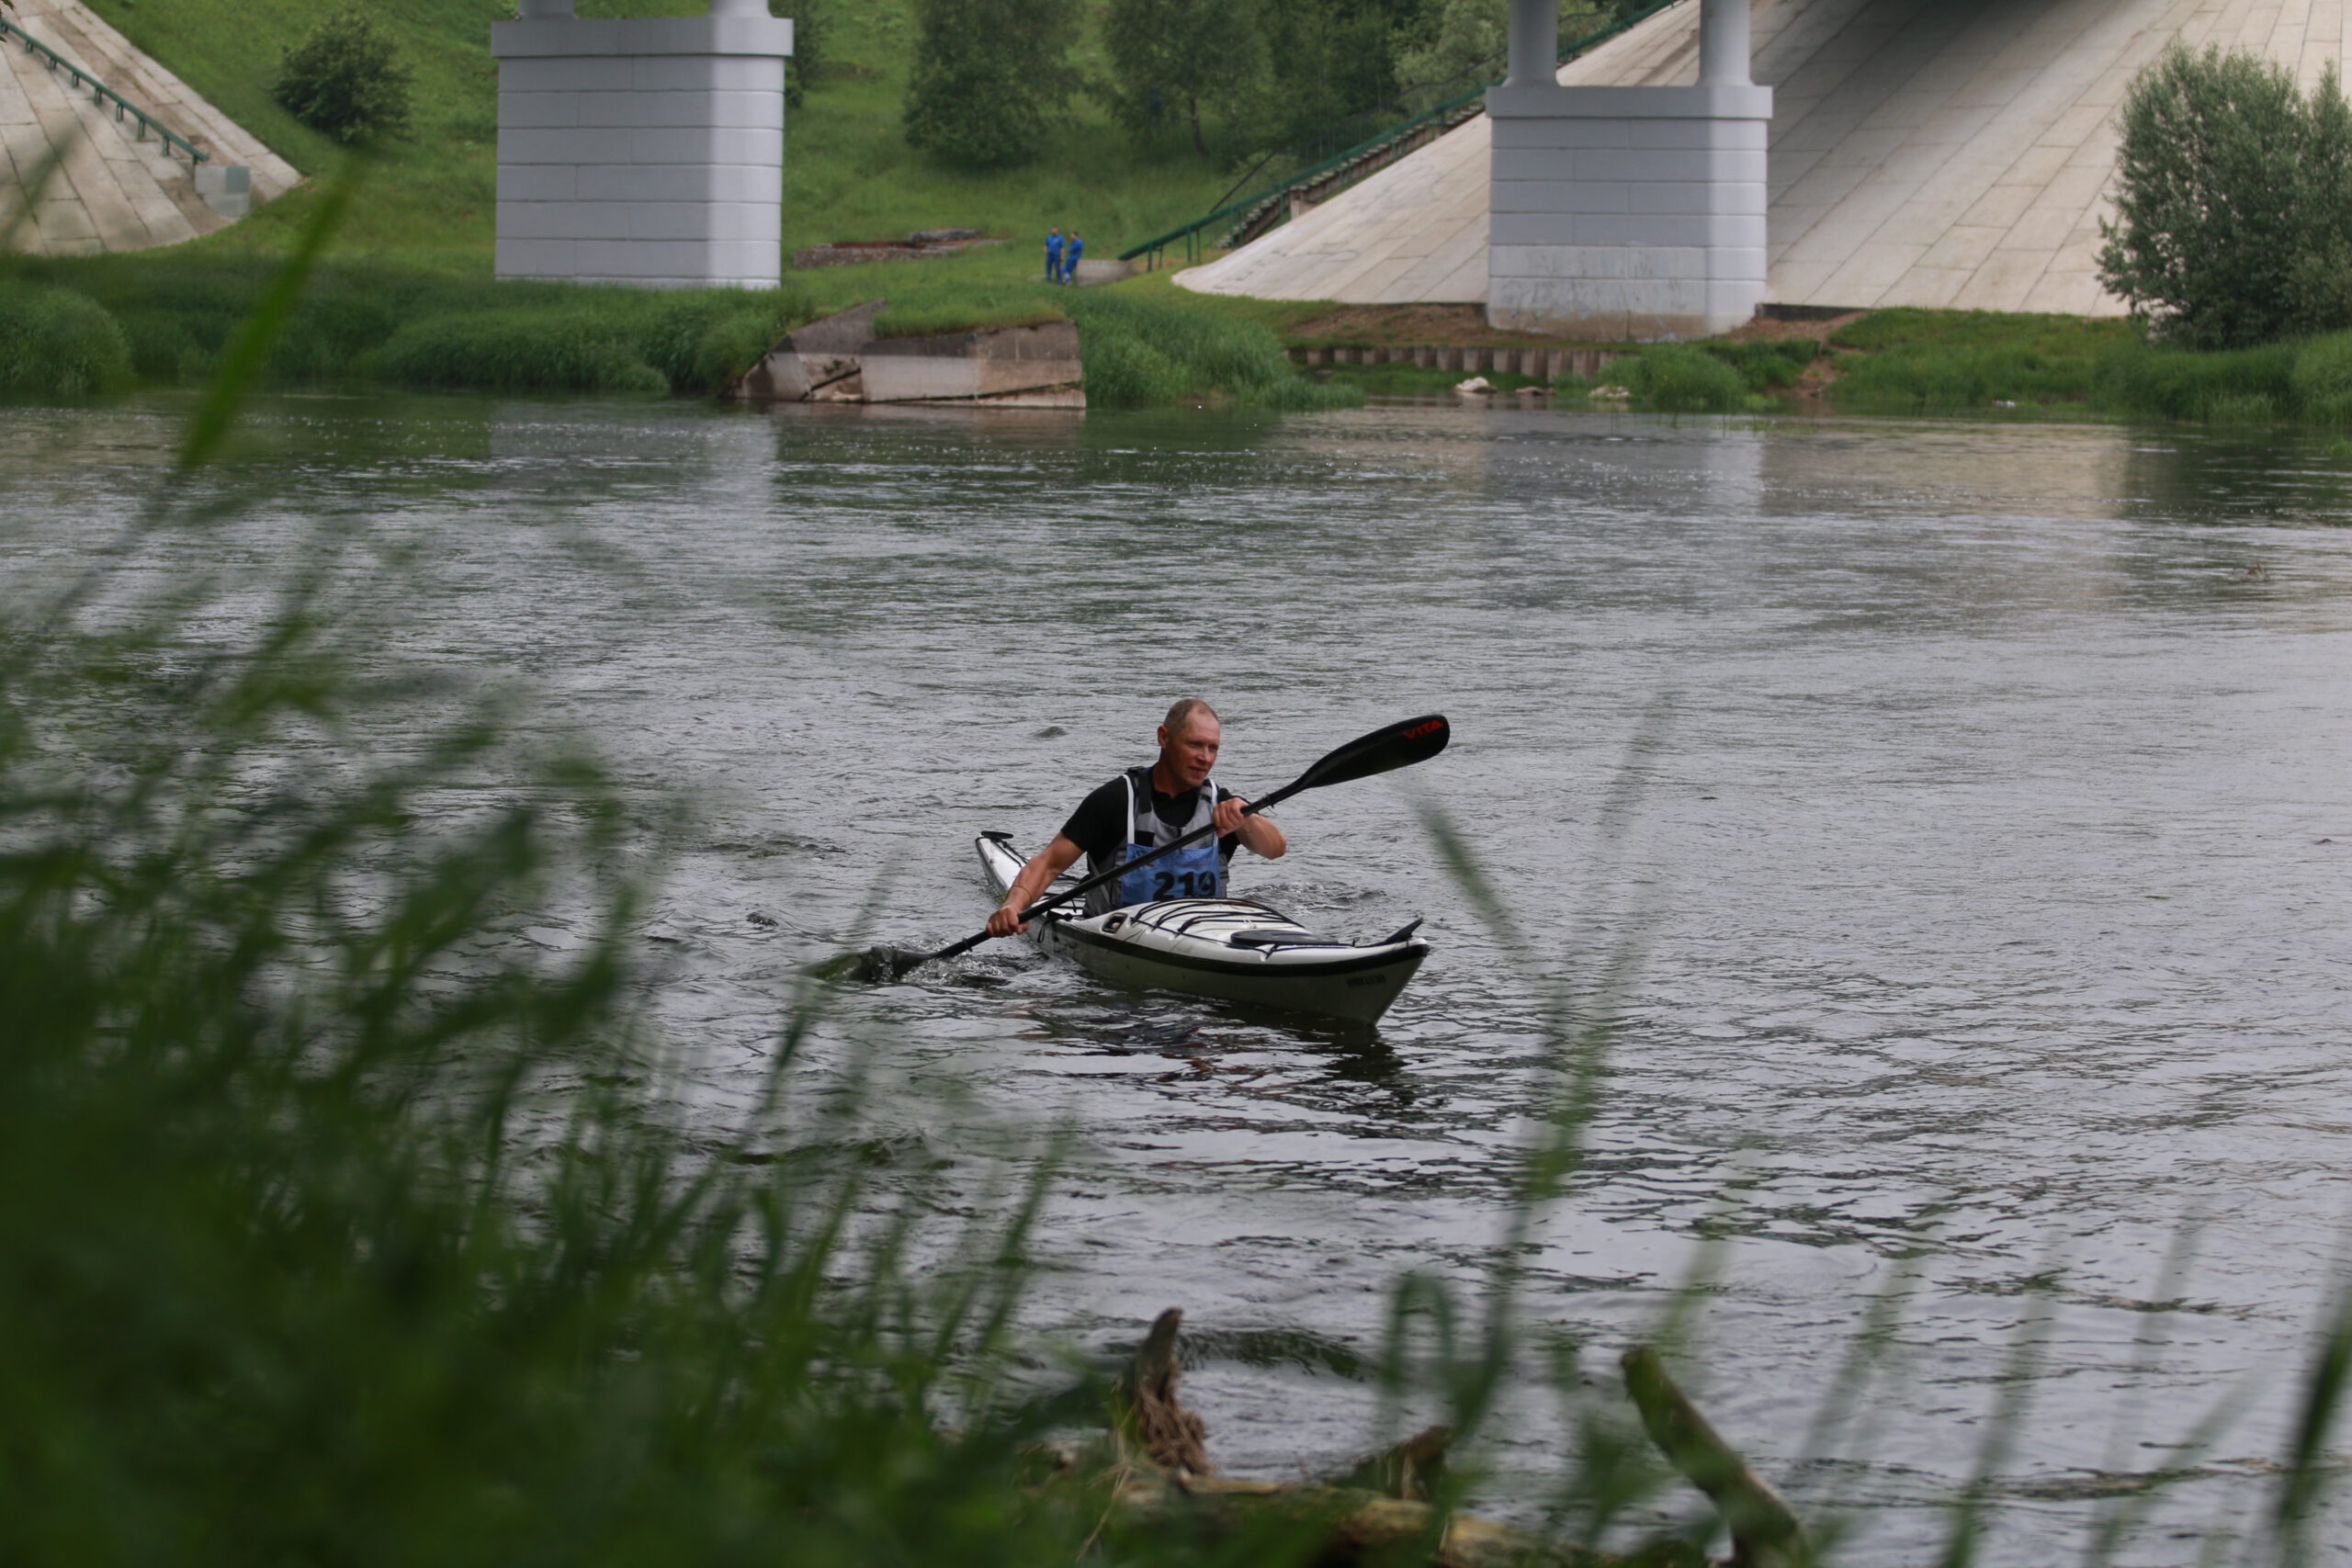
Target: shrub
(1182, 59)
(990, 78)
(701, 340)
(2234, 201)
(1122, 371)
(1672, 378)
(1767, 364)
(345, 79)
(56, 342)
(581, 350)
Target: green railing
(1460, 107)
(101, 94)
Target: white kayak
(1234, 949)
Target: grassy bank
(1913, 362)
(78, 327)
(1957, 362)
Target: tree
(1183, 59)
(1328, 60)
(812, 33)
(345, 79)
(990, 78)
(2233, 204)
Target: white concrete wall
(1627, 212)
(646, 151)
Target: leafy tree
(990, 78)
(1327, 60)
(2234, 202)
(1455, 35)
(345, 79)
(1184, 58)
(1450, 38)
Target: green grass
(2244, 386)
(1946, 362)
(1959, 362)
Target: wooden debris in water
(1764, 1530)
(1382, 1512)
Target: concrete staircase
(110, 189)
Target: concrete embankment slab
(839, 360)
(109, 188)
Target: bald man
(1140, 810)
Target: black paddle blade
(875, 966)
(1384, 751)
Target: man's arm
(1258, 834)
(1031, 885)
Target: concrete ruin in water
(838, 359)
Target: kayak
(1236, 950)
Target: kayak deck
(1232, 949)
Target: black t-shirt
(1099, 825)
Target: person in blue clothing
(1139, 811)
(1071, 252)
(1053, 255)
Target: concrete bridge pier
(641, 150)
(1627, 212)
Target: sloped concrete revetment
(111, 191)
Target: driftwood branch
(1408, 1471)
(1382, 1512)
(1149, 1416)
(1162, 1470)
(1764, 1530)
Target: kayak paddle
(1384, 751)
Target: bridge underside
(1929, 152)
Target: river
(1964, 810)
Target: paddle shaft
(1099, 878)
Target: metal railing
(102, 94)
(1368, 156)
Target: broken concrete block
(810, 357)
(963, 366)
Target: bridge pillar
(641, 150)
(1627, 212)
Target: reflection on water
(1988, 873)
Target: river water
(1964, 812)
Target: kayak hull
(1234, 950)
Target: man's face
(1190, 752)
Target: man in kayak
(1142, 809)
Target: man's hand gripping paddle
(1384, 751)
